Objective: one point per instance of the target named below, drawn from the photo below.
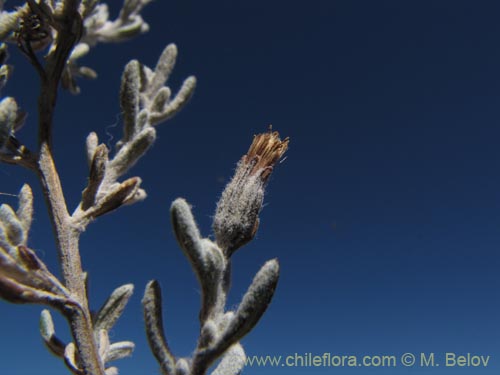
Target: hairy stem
(67, 237)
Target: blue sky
(385, 215)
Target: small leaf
(254, 302)
(14, 291)
(134, 27)
(80, 50)
(5, 73)
(53, 343)
(88, 6)
(205, 257)
(5, 245)
(9, 23)
(13, 227)
(129, 97)
(131, 7)
(25, 209)
(103, 342)
(161, 100)
(91, 143)
(179, 101)
(111, 371)
(113, 308)
(154, 328)
(132, 151)
(182, 367)
(70, 359)
(142, 120)
(118, 196)
(29, 259)
(46, 325)
(87, 72)
(233, 361)
(208, 333)
(97, 173)
(8, 117)
(138, 196)
(146, 77)
(163, 68)
(119, 350)
(186, 231)
(68, 81)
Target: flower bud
(237, 214)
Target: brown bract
(266, 150)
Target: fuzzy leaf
(117, 197)
(80, 50)
(211, 279)
(161, 100)
(102, 342)
(182, 367)
(132, 151)
(68, 82)
(232, 362)
(254, 303)
(163, 68)
(53, 343)
(111, 371)
(70, 354)
(5, 73)
(13, 291)
(8, 119)
(205, 257)
(186, 231)
(113, 308)
(28, 259)
(139, 196)
(119, 350)
(134, 27)
(146, 77)
(14, 231)
(142, 120)
(131, 7)
(25, 210)
(88, 6)
(154, 328)
(5, 245)
(91, 144)
(23, 274)
(46, 325)
(97, 172)
(208, 333)
(9, 261)
(129, 97)
(179, 101)
(87, 72)
(9, 22)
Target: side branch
(69, 30)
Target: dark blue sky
(385, 215)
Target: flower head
(237, 214)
